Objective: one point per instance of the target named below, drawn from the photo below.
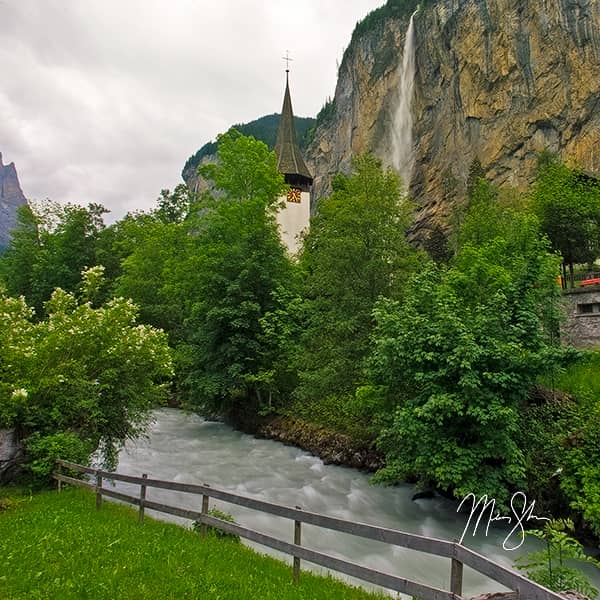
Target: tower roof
(289, 157)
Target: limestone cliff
(11, 197)
(497, 80)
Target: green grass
(580, 379)
(58, 546)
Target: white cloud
(104, 100)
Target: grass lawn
(58, 546)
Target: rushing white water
(185, 448)
(402, 122)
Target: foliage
(44, 450)
(324, 116)
(82, 371)
(356, 251)
(240, 272)
(437, 246)
(338, 414)
(58, 546)
(568, 206)
(545, 424)
(241, 263)
(263, 129)
(580, 478)
(158, 254)
(476, 172)
(175, 206)
(560, 441)
(548, 567)
(459, 356)
(223, 516)
(246, 170)
(50, 248)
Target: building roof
(289, 157)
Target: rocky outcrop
(332, 448)
(12, 455)
(496, 80)
(11, 197)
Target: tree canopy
(568, 205)
(79, 378)
(355, 252)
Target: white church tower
(294, 217)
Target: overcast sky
(104, 100)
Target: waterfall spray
(402, 123)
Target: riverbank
(331, 447)
(58, 546)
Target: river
(185, 448)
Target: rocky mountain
(494, 80)
(11, 197)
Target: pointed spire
(289, 157)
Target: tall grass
(581, 379)
(58, 546)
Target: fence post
(59, 472)
(98, 490)
(456, 574)
(204, 526)
(142, 498)
(298, 542)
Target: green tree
(355, 252)
(568, 205)
(246, 170)
(238, 266)
(153, 272)
(52, 245)
(82, 377)
(436, 245)
(458, 357)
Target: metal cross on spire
(287, 61)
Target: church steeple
(289, 158)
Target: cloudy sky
(104, 100)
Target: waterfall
(402, 122)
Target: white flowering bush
(93, 373)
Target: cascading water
(402, 123)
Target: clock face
(294, 195)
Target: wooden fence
(458, 554)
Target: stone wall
(582, 313)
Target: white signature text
(521, 512)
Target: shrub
(214, 531)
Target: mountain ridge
(11, 198)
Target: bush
(80, 378)
(214, 531)
(44, 450)
(548, 567)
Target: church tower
(294, 217)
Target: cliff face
(496, 80)
(11, 197)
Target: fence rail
(459, 555)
